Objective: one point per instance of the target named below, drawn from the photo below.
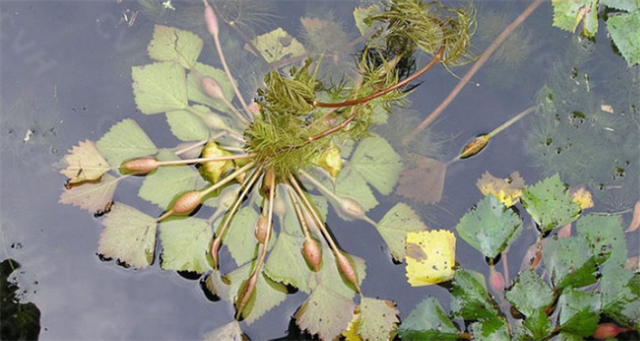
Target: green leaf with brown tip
(185, 245)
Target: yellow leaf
(582, 198)
(508, 191)
(84, 163)
(430, 257)
(351, 334)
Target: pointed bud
(608, 330)
(347, 269)
(352, 208)
(331, 161)
(312, 253)
(213, 170)
(187, 202)
(496, 280)
(211, 20)
(247, 290)
(212, 88)
(261, 229)
(140, 166)
(475, 146)
(213, 121)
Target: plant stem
(436, 58)
(229, 177)
(247, 41)
(205, 159)
(481, 61)
(223, 61)
(299, 214)
(198, 144)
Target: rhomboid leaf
(428, 322)
(125, 140)
(325, 313)
(394, 226)
(185, 245)
(375, 320)
(471, 299)
(579, 311)
(159, 87)
(569, 261)
(94, 197)
(84, 163)
(430, 257)
(378, 163)
(605, 237)
(172, 44)
(550, 204)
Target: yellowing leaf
(582, 198)
(277, 45)
(508, 191)
(229, 332)
(430, 257)
(395, 224)
(325, 313)
(172, 44)
(374, 320)
(424, 182)
(84, 163)
(93, 197)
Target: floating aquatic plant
(274, 162)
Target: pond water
(65, 73)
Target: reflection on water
(65, 73)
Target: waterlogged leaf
(567, 15)
(167, 183)
(129, 236)
(84, 163)
(394, 226)
(195, 92)
(125, 140)
(623, 5)
(549, 203)
(579, 311)
(605, 237)
(185, 245)
(494, 328)
(187, 126)
(286, 264)
(361, 13)
(378, 163)
(570, 262)
(172, 44)
(376, 320)
(330, 278)
(229, 332)
(267, 295)
(428, 322)
(538, 324)
(624, 30)
(489, 226)
(159, 87)
(239, 237)
(93, 197)
(430, 257)
(325, 313)
(277, 45)
(529, 293)
(350, 184)
(471, 300)
(620, 291)
(508, 191)
(424, 182)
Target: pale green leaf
(624, 5)
(378, 319)
(350, 184)
(567, 15)
(240, 237)
(125, 140)
(164, 186)
(187, 126)
(277, 45)
(325, 313)
(489, 226)
(84, 163)
(549, 203)
(569, 261)
(228, 332)
(129, 236)
(185, 245)
(286, 263)
(428, 322)
(159, 87)
(93, 197)
(172, 44)
(624, 30)
(195, 92)
(605, 236)
(491, 329)
(394, 226)
(267, 295)
(579, 311)
(378, 163)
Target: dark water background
(65, 76)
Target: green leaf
(394, 226)
(229, 332)
(93, 197)
(195, 92)
(172, 44)
(277, 45)
(529, 293)
(378, 163)
(428, 321)
(538, 324)
(624, 30)
(187, 126)
(494, 328)
(567, 337)
(167, 183)
(605, 236)
(185, 245)
(579, 311)
(330, 278)
(567, 15)
(125, 140)
(129, 236)
(549, 203)
(240, 237)
(286, 264)
(376, 320)
(159, 87)
(325, 313)
(620, 289)
(471, 300)
(569, 262)
(623, 5)
(267, 295)
(489, 226)
(352, 185)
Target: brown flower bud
(261, 229)
(608, 330)
(212, 88)
(312, 253)
(140, 166)
(475, 146)
(347, 269)
(187, 202)
(211, 20)
(352, 208)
